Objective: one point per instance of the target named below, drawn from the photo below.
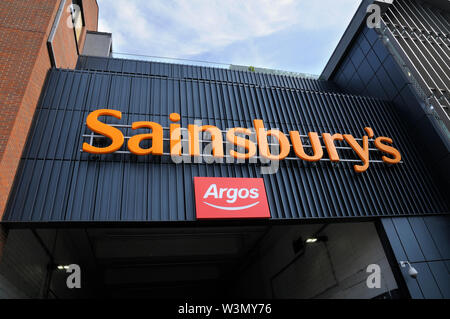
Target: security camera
(412, 272)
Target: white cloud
(185, 28)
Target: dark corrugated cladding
(57, 182)
(425, 243)
(179, 71)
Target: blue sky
(291, 35)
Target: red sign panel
(223, 197)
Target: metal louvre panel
(57, 182)
(179, 71)
(423, 33)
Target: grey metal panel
(97, 44)
(414, 288)
(442, 276)
(114, 65)
(135, 191)
(410, 244)
(59, 139)
(108, 199)
(439, 229)
(393, 238)
(80, 198)
(425, 239)
(420, 240)
(427, 282)
(97, 95)
(178, 71)
(96, 63)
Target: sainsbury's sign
(240, 138)
(224, 197)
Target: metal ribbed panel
(177, 71)
(423, 34)
(425, 243)
(57, 182)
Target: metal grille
(420, 36)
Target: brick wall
(90, 8)
(24, 61)
(64, 45)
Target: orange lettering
(194, 143)
(175, 135)
(388, 149)
(156, 135)
(261, 135)
(104, 129)
(193, 138)
(329, 144)
(298, 147)
(362, 152)
(242, 142)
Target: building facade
(348, 173)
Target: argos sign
(224, 197)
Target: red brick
(24, 62)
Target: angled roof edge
(353, 28)
(347, 39)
